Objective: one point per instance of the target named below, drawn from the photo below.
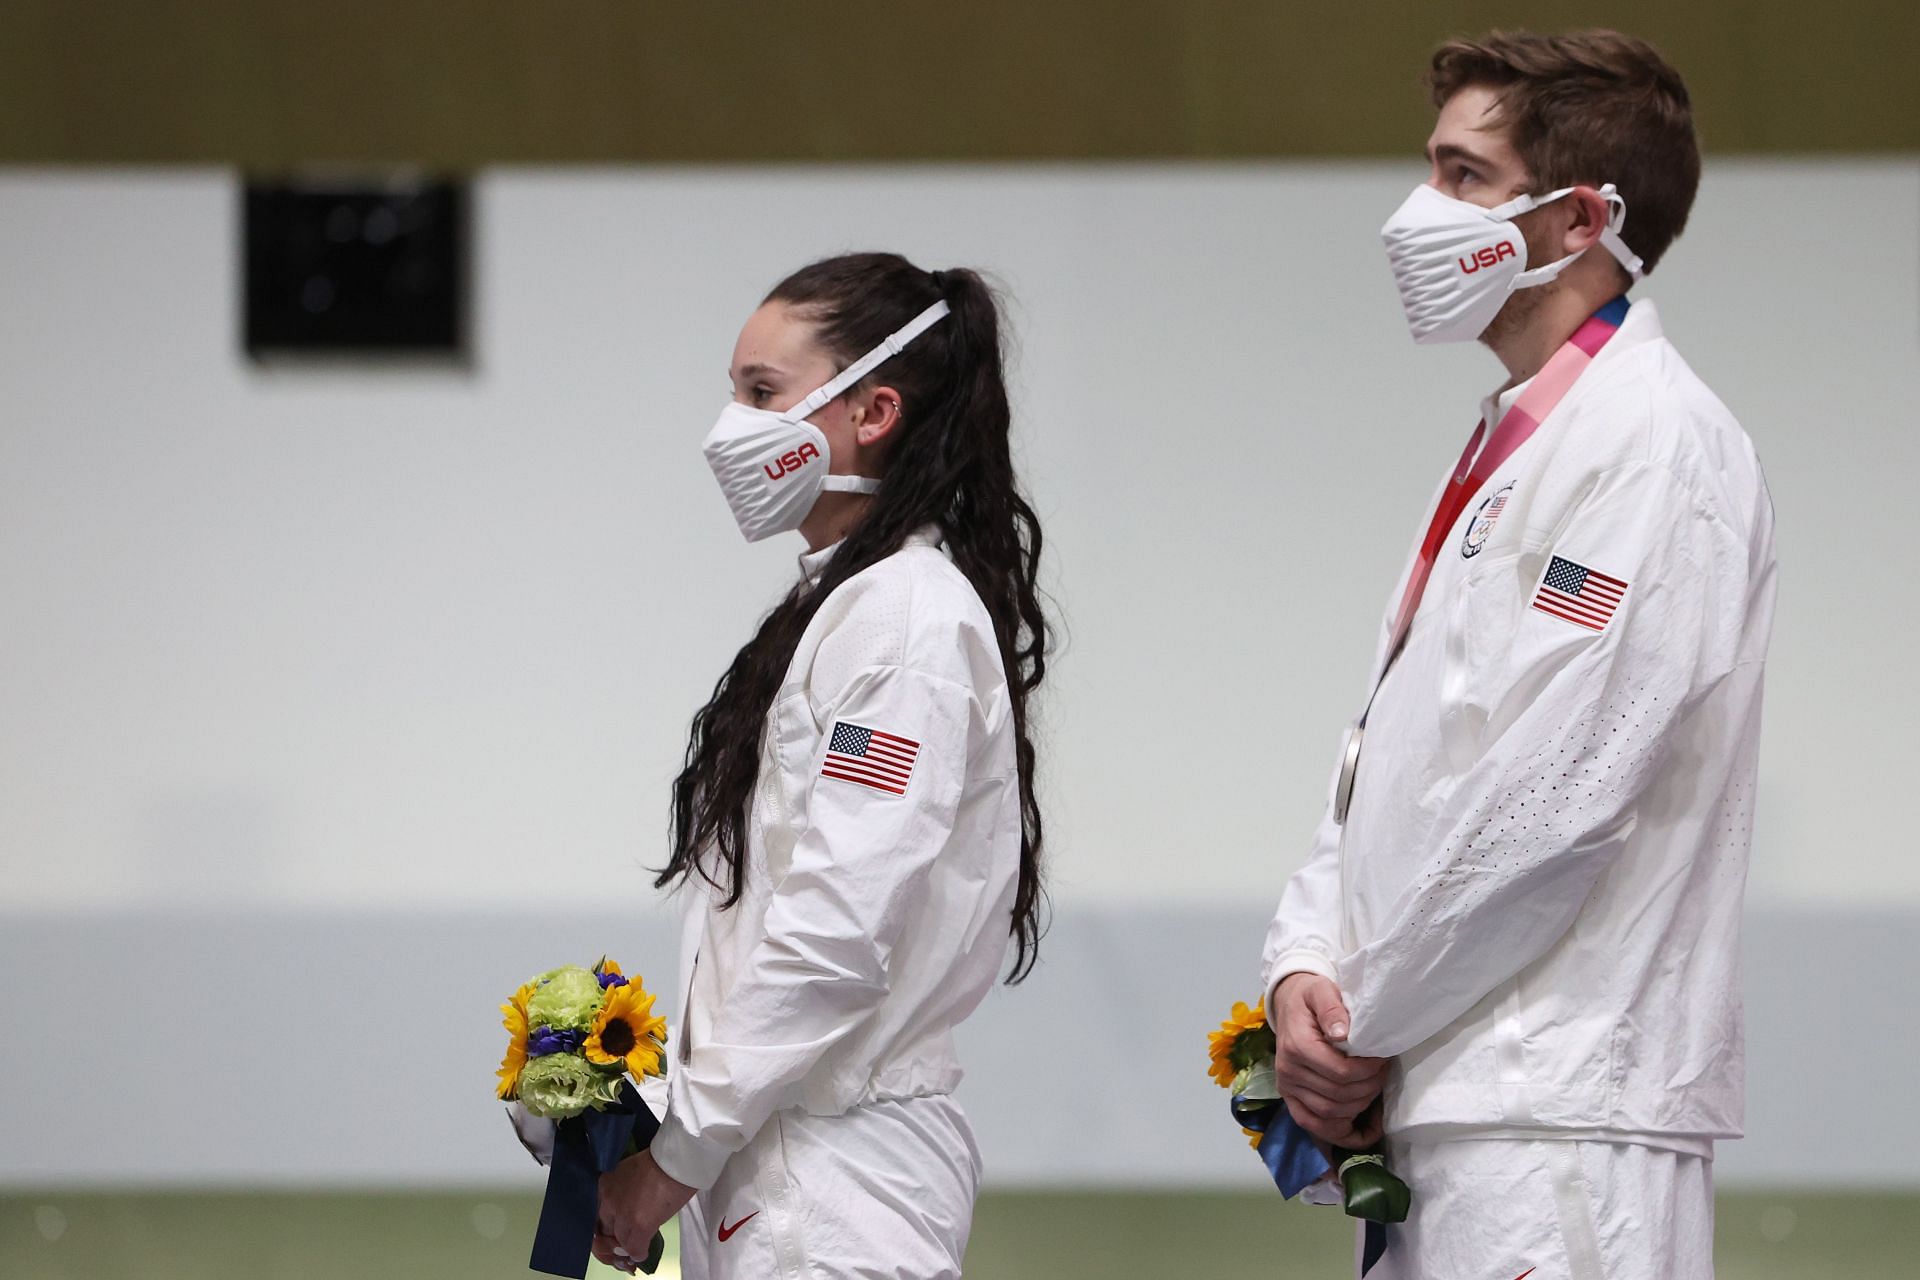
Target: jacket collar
(1641, 326)
(814, 563)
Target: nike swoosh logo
(1524, 1274)
(726, 1232)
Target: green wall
(455, 83)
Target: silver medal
(1349, 770)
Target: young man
(1521, 915)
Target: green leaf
(1252, 1048)
(655, 1252)
(1372, 1191)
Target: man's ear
(880, 417)
(1589, 212)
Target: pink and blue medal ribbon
(1517, 425)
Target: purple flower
(611, 980)
(546, 1040)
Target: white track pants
(1498, 1209)
(884, 1191)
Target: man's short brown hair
(1589, 107)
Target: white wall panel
(413, 649)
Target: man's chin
(1517, 313)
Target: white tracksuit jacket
(872, 923)
(1535, 903)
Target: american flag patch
(870, 757)
(1579, 594)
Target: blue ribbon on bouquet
(1294, 1160)
(585, 1147)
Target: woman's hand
(636, 1200)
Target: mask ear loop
(1609, 235)
(1526, 204)
(895, 343)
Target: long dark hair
(952, 468)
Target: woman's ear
(880, 415)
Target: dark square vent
(339, 268)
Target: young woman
(855, 828)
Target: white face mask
(772, 467)
(1456, 263)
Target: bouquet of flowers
(1241, 1060)
(578, 1041)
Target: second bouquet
(1240, 1059)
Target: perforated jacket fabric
(1534, 905)
(883, 852)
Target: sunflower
(626, 1032)
(1226, 1054)
(513, 1016)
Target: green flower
(562, 1085)
(1256, 1082)
(566, 1000)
